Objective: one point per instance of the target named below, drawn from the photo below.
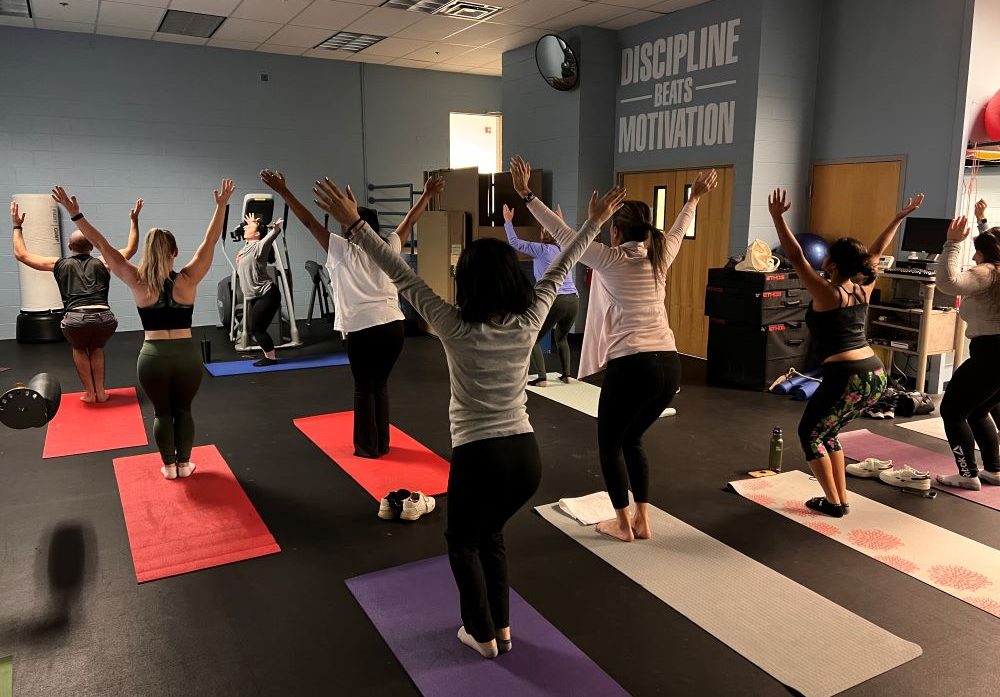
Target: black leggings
(561, 317)
(848, 388)
(974, 391)
(262, 312)
(635, 392)
(170, 371)
(489, 481)
(372, 353)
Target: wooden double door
(666, 192)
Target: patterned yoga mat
(961, 567)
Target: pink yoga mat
(859, 445)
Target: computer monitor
(926, 235)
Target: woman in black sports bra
(853, 376)
(169, 366)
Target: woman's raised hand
(520, 173)
(705, 182)
(778, 203)
(981, 209)
(337, 203)
(508, 214)
(16, 216)
(136, 209)
(434, 185)
(958, 230)
(912, 204)
(60, 196)
(222, 194)
(273, 180)
(602, 208)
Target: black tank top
(83, 280)
(166, 313)
(840, 329)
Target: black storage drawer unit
(753, 281)
(760, 307)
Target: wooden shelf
(907, 351)
(910, 310)
(896, 326)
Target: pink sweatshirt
(627, 313)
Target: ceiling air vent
(459, 9)
(190, 24)
(15, 8)
(349, 41)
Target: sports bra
(166, 313)
(840, 329)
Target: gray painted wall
(166, 121)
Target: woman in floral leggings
(853, 376)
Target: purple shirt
(542, 257)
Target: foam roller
(32, 405)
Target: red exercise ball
(992, 118)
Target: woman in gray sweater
(487, 338)
(974, 389)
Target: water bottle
(206, 350)
(775, 450)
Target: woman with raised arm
(627, 333)
(853, 376)
(974, 389)
(564, 309)
(366, 308)
(495, 465)
(169, 366)
(257, 286)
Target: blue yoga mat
(225, 368)
(802, 392)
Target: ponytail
(157, 262)
(633, 222)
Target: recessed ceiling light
(190, 24)
(459, 9)
(15, 8)
(350, 41)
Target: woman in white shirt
(627, 333)
(366, 307)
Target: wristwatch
(529, 197)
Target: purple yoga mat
(861, 444)
(415, 609)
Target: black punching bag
(32, 405)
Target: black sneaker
(265, 361)
(821, 505)
(391, 505)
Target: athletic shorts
(90, 329)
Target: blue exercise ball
(814, 247)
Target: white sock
(488, 650)
(169, 471)
(958, 480)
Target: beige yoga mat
(960, 567)
(929, 427)
(767, 618)
(578, 395)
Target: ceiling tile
(530, 14)
(127, 32)
(270, 10)
(385, 22)
(325, 14)
(179, 39)
(589, 16)
(406, 63)
(436, 53)
(234, 29)
(521, 38)
(365, 57)
(674, 5)
(150, 3)
(483, 33)
(230, 43)
(397, 48)
(306, 37)
(434, 28)
(492, 72)
(367, 3)
(637, 17)
(120, 14)
(286, 50)
(77, 11)
(476, 57)
(638, 4)
(221, 8)
(56, 25)
(327, 54)
(17, 21)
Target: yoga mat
(407, 465)
(863, 443)
(6, 676)
(933, 427)
(960, 567)
(578, 395)
(187, 524)
(89, 428)
(805, 391)
(415, 609)
(225, 368)
(765, 617)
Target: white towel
(590, 509)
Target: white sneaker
(990, 477)
(907, 478)
(417, 505)
(869, 468)
(959, 481)
(186, 470)
(169, 471)
(875, 414)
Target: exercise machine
(233, 307)
(31, 405)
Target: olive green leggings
(170, 371)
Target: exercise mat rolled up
(32, 405)
(802, 392)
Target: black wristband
(18, 227)
(76, 217)
(355, 224)
(529, 197)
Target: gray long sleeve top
(978, 286)
(487, 361)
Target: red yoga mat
(181, 525)
(407, 465)
(90, 428)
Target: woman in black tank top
(853, 376)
